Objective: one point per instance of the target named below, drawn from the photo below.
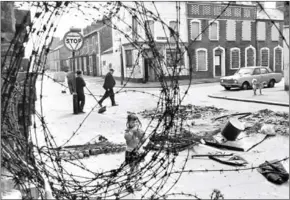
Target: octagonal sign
(73, 41)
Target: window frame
(173, 51)
(274, 27)
(206, 59)
(231, 57)
(265, 48)
(126, 58)
(199, 33)
(210, 29)
(171, 37)
(265, 35)
(235, 27)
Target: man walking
(108, 86)
(80, 84)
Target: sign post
(74, 41)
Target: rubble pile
(279, 120)
(204, 126)
(95, 147)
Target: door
(217, 63)
(147, 62)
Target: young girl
(256, 85)
(134, 136)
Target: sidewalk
(150, 84)
(272, 96)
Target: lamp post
(122, 65)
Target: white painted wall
(114, 59)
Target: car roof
(257, 67)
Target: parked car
(244, 76)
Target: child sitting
(257, 85)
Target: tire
(271, 83)
(227, 88)
(245, 86)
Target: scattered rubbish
(242, 143)
(101, 145)
(232, 129)
(102, 109)
(233, 160)
(274, 171)
(268, 129)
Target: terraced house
(225, 38)
(97, 39)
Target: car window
(243, 71)
(257, 71)
(269, 70)
(264, 71)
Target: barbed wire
(28, 160)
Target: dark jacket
(80, 84)
(109, 81)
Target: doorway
(149, 73)
(219, 62)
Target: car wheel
(271, 83)
(227, 88)
(245, 86)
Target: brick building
(97, 39)
(232, 41)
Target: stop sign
(73, 41)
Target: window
(264, 71)
(257, 71)
(149, 29)
(104, 62)
(250, 56)
(195, 29)
(235, 58)
(129, 58)
(134, 28)
(173, 31)
(231, 30)
(214, 30)
(85, 64)
(275, 32)
(91, 64)
(246, 30)
(174, 58)
(264, 57)
(201, 59)
(93, 42)
(261, 33)
(80, 63)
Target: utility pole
(122, 65)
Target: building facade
(139, 65)
(238, 38)
(97, 39)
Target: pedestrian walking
(80, 84)
(134, 137)
(108, 86)
(70, 78)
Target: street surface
(58, 114)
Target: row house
(97, 39)
(139, 67)
(51, 56)
(57, 58)
(241, 37)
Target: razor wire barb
(28, 162)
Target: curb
(250, 100)
(196, 83)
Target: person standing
(134, 137)
(108, 86)
(80, 84)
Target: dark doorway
(218, 66)
(147, 64)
